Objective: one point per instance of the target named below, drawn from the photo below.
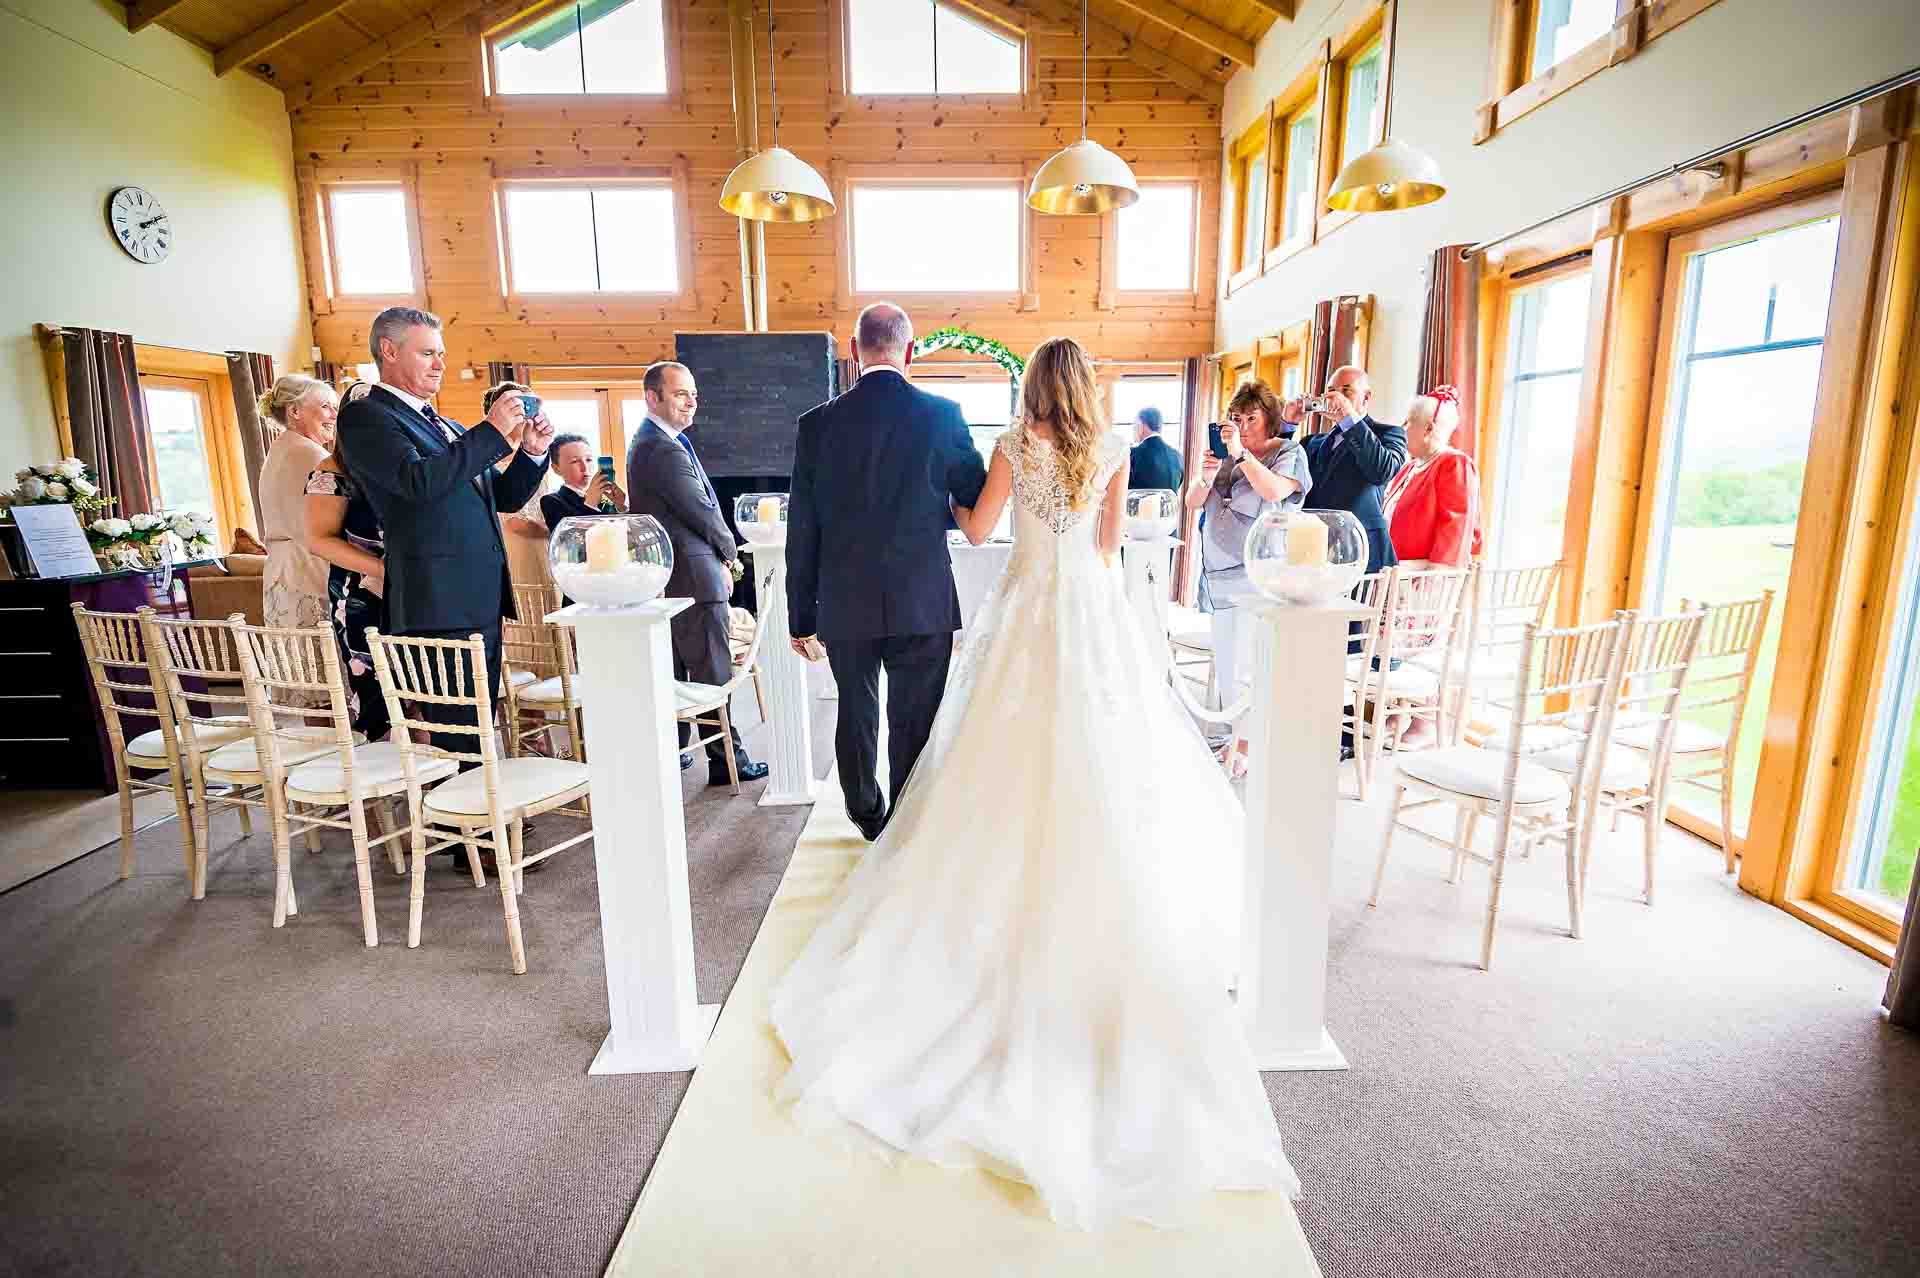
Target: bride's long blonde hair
(1059, 390)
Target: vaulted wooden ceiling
(296, 43)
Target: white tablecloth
(975, 569)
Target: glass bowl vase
(762, 518)
(1152, 513)
(610, 561)
(1305, 557)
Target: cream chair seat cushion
(1472, 771)
(523, 783)
(548, 692)
(1688, 737)
(240, 760)
(691, 698)
(520, 678)
(149, 749)
(1406, 681)
(378, 769)
(1622, 770)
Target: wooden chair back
(293, 679)
(1727, 656)
(206, 654)
(124, 676)
(1659, 657)
(1566, 688)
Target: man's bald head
(1351, 380)
(883, 335)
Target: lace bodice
(1037, 486)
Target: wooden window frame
(1376, 24)
(205, 374)
(1307, 92)
(1512, 92)
(983, 13)
(1024, 296)
(673, 177)
(1111, 295)
(673, 101)
(325, 291)
(1255, 139)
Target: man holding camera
(1352, 464)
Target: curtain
(501, 370)
(1202, 389)
(1902, 999)
(109, 415)
(1333, 342)
(328, 371)
(1450, 338)
(252, 377)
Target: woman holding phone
(1262, 470)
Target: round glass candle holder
(1151, 513)
(1305, 557)
(762, 518)
(610, 561)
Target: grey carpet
(1699, 1089)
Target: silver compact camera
(1317, 404)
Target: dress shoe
(749, 771)
(686, 760)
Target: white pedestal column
(658, 1025)
(783, 672)
(1293, 732)
(1149, 571)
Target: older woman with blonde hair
(301, 410)
(1433, 504)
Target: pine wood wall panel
(421, 114)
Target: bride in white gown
(1028, 972)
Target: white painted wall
(1740, 66)
(85, 107)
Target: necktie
(712, 498)
(434, 419)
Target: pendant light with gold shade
(1393, 175)
(775, 185)
(1085, 177)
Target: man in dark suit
(435, 486)
(868, 573)
(1352, 464)
(1154, 462)
(666, 480)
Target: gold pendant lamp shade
(775, 185)
(1391, 176)
(1085, 177)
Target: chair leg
(1462, 815)
(126, 825)
(726, 743)
(390, 823)
(1386, 843)
(282, 855)
(357, 822)
(1466, 841)
(1493, 900)
(183, 813)
(1726, 811)
(518, 835)
(509, 899)
(472, 849)
(246, 821)
(417, 887)
(202, 838)
(1578, 839)
(312, 836)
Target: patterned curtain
(1333, 342)
(329, 372)
(1201, 389)
(252, 377)
(1450, 338)
(109, 415)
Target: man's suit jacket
(1154, 464)
(564, 503)
(438, 502)
(868, 517)
(1354, 476)
(664, 481)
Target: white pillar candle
(768, 511)
(607, 549)
(1306, 541)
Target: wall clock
(139, 224)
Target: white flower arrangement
(148, 540)
(68, 481)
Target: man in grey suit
(666, 480)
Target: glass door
(1878, 870)
(1546, 357)
(1744, 329)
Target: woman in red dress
(1433, 504)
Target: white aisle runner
(739, 1189)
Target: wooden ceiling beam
(999, 12)
(439, 20)
(1280, 9)
(268, 36)
(1186, 22)
(1194, 79)
(144, 13)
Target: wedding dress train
(1028, 971)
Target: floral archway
(965, 339)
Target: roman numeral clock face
(140, 224)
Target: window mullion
(593, 221)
